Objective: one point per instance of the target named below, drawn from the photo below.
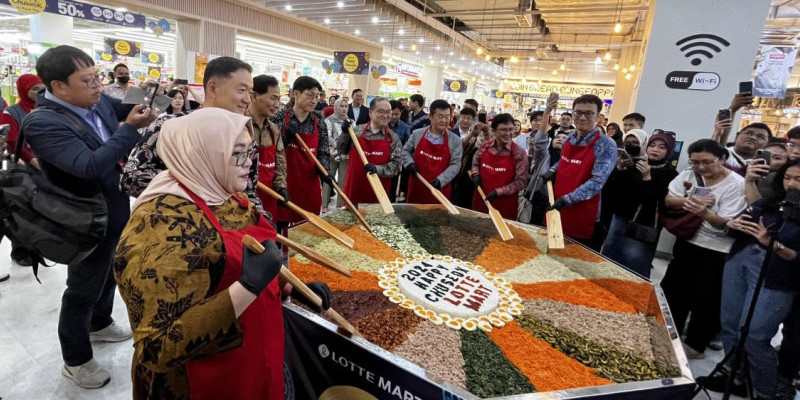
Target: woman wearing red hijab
(28, 86)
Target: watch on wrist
(780, 246)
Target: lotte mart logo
(697, 48)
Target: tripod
(738, 353)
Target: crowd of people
(176, 255)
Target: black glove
(325, 178)
(371, 169)
(321, 289)
(476, 180)
(550, 175)
(411, 168)
(345, 138)
(288, 137)
(435, 183)
(285, 193)
(346, 128)
(491, 196)
(258, 270)
(558, 205)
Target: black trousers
(88, 300)
(789, 355)
(693, 283)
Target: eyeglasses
(312, 95)
(383, 112)
(579, 113)
(705, 163)
(504, 130)
(242, 156)
(92, 83)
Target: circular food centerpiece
(497, 318)
(449, 291)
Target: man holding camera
(748, 141)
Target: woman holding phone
(693, 281)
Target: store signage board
(77, 9)
(453, 85)
(121, 47)
(149, 57)
(692, 80)
(563, 89)
(409, 69)
(352, 62)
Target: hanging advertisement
(408, 69)
(773, 71)
(196, 65)
(149, 57)
(121, 47)
(455, 85)
(154, 73)
(76, 9)
(352, 62)
(100, 55)
(563, 89)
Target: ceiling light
(607, 56)
(288, 7)
(555, 72)
(327, 21)
(430, 57)
(401, 31)
(413, 47)
(624, 70)
(400, 46)
(472, 63)
(617, 27)
(358, 32)
(433, 62)
(628, 76)
(375, 20)
(514, 59)
(416, 52)
(632, 68)
(381, 40)
(563, 66)
(488, 57)
(340, 4)
(616, 67)
(598, 60)
(450, 53)
(421, 40)
(531, 58)
(479, 51)
(438, 48)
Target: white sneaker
(111, 333)
(89, 375)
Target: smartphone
(4, 130)
(765, 155)
(723, 113)
(150, 95)
(746, 87)
(701, 191)
(181, 82)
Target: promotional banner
(122, 47)
(100, 55)
(149, 57)
(324, 365)
(352, 62)
(154, 73)
(196, 65)
(409, 69)
(453, 85)
(773, 71)
(76, 9)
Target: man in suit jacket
(357, 111)
(75, 132)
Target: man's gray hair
(375, 101)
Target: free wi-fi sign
(697, 48)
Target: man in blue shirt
(403, 133)
(417, 118)
(587, 159)
(75, 133)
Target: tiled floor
(30, 358)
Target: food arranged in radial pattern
(495, 318)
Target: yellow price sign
(350, 63)
(29, 6)
(154, 73)
(122, 47)
(499, 94)
(153, 58)
(106, 56)
(455, 86)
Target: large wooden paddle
(309, 294)
(373, 179)
(347, 202)
(497, 219)
(555, 234)
(314, 256)
(312, 218)
(439, 195)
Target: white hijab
(196, 150)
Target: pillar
(624, 100)
(432, 79)
(201, 36)
(51, 28)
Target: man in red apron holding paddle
(587, 159)
(435, 153)
(380, 145)
(302, 176)
(266, 100)
(500, 167)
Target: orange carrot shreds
(547, 368)
(500, 256)
(369, 245)
(389, 328)
(640, 295)
(577, 252)
(310, 272)
(579, 292)
(522, 237)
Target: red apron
(497, 171)
(431, 160)
(356, 186)
(254, 370)
(266, 172)
(302, 180)
(574, 169)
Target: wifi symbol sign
(696, 45)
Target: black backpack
(50, 222)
